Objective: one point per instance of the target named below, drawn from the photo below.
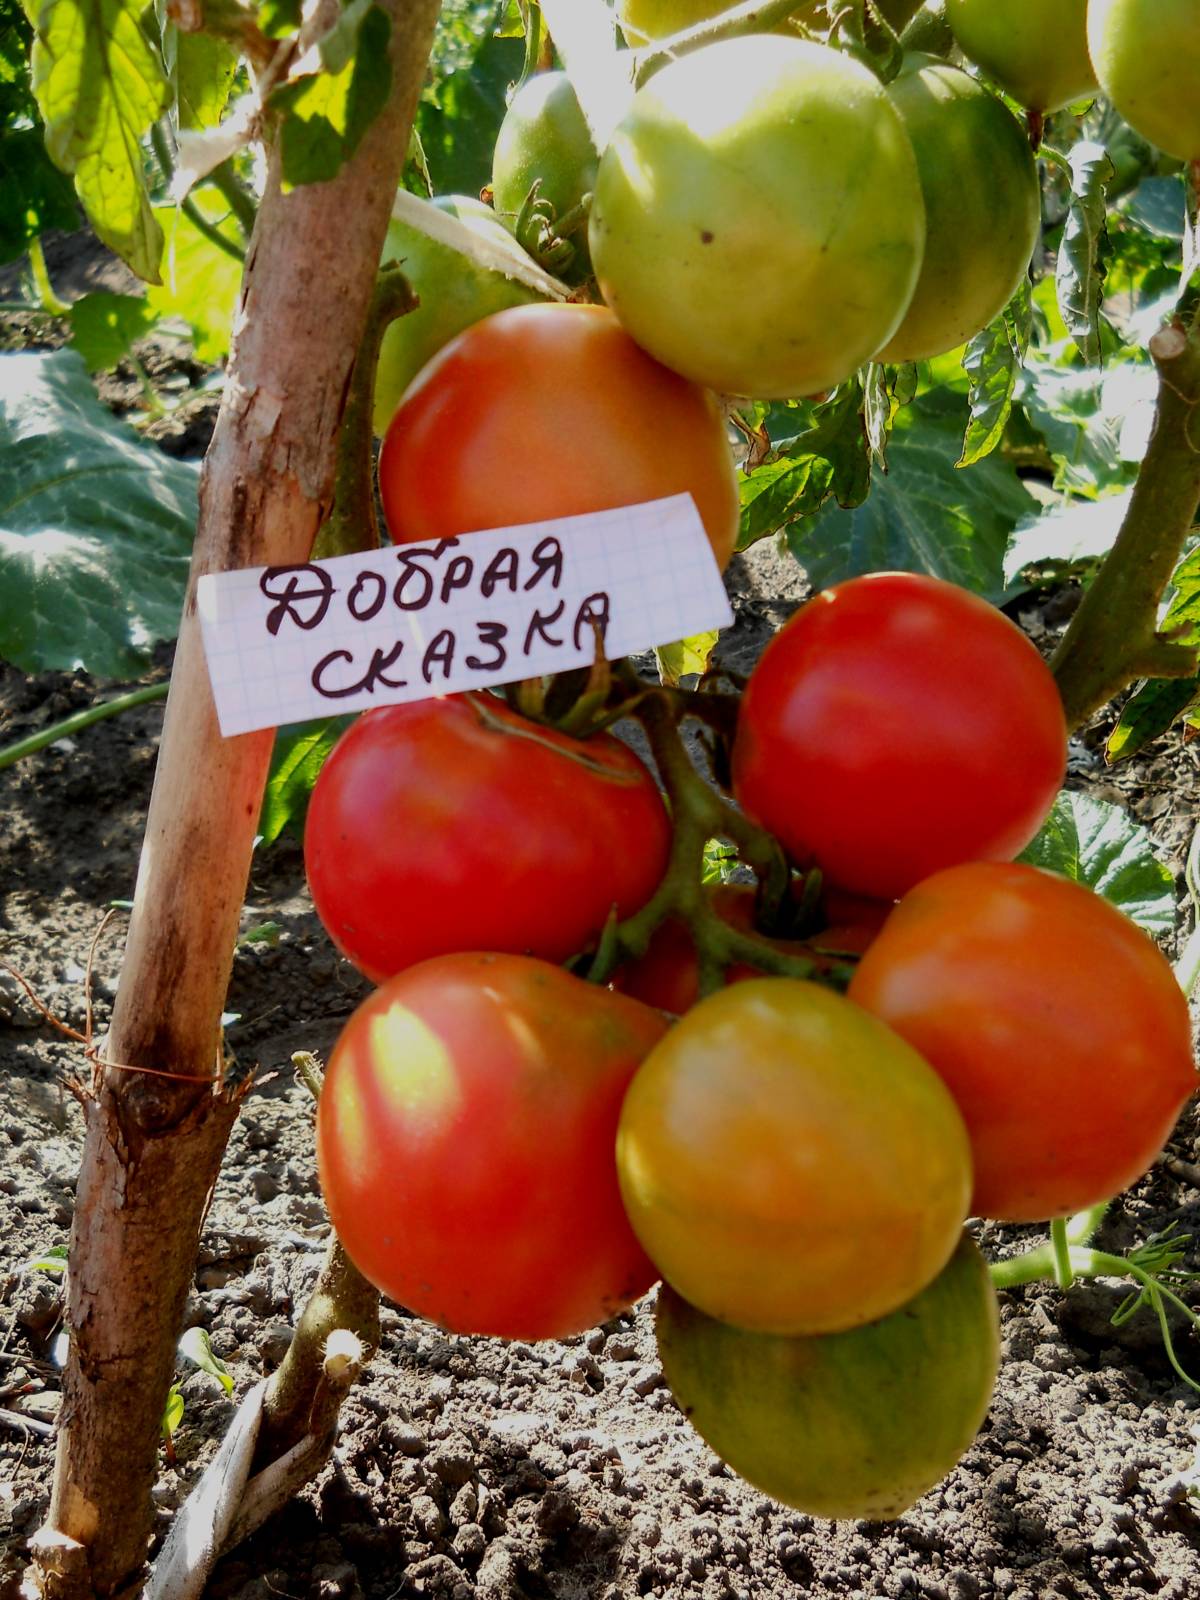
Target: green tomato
(1147, 57)
(1036, 50)
(544, 138)
(454, 291)
(645, 21)
(982, 206)
(757, 222)
(857, 1424)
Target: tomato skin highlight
(790, 1166)
(897, 725)
(1054, 1021)
(858, 1424)
(456, 824)
(465, 1145)
(551, 411)
(777, 166)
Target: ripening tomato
(544, 139)
(667, 974)
(897, 725)
(983, 206)
(790, 1165)
(1036, 50)
(456, 824)
(1147, 57)
(757, 222)
(465, 1145)
(453, 291)
(1055, 1022)
(857, 1424)
(551, 411)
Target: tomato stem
(1040, 1264)
(352, 524)
(1064, 1275)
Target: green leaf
(924, 516)
(95, 526)
(1066, 540)
(196, 1347)
(1102, 847)
(1158, 206)
(53, 1261)
(885, 391)
(36, 194)
(1183, 613)
(1079, 275)
(719, 863)
(325, 114)
(100, 84)
(279, 18)
(464, 29)
(299, 754)
(993, 359)
(1149, 713)
(105, 326)
(203, 74)
(687, 658)
(828, 458)
(1094, 423)
(458, 129)
(172, 1412)
(200, 282)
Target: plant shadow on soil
(473, 1468)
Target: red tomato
(895, 726)
(551, 411)
(667, 976)
(465, 1143)
(456, 824)
(1055, 1022)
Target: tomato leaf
(297, 758)
(104, 326)
(100, 84)
(885, 391)
(993, 360)
(1079, 275)
(1067, 539)
(1149, 713)
(1094, 423)
(686, 658)
(829, 458)
(1102, 847)
(924, 516)
(36, 194)
(202, 71)
(326, 113)
(200, 282)
(464, 27)
(95, 526)
(458, 127)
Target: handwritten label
(290, 644)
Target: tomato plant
(643, 21)
(1147, 58)
(550, 411)
(465, 1145)
(789, 1165)
(777, 165)
(982, 206)
(854, 1424)
(1055, 1022)
(453, 292)
(1037, 52)
(545, 140)
(455, 824)
(877, 733)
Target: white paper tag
(291, 644)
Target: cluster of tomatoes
(508, 1149)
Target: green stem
(352, 524)
(188, 206)
(1059, 1243)
(1113, 638)
(1044, 1261)
(531, 15)
(753, 16)
(239, 199)
(47, 298)
(13, 753)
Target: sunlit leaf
(1102, 847)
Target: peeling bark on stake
(153, 1146)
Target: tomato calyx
(546, 235)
